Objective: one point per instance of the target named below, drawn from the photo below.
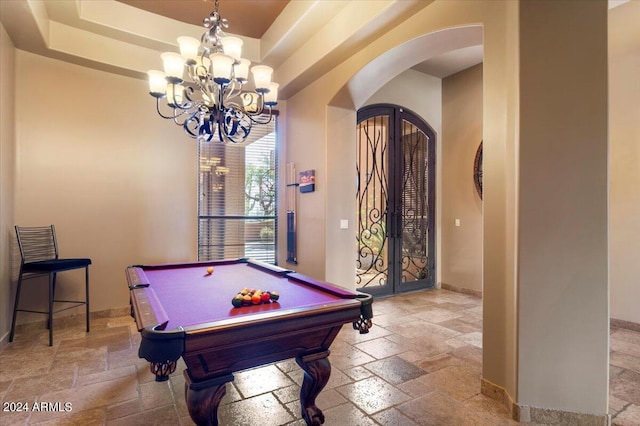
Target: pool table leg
(317, 371)
(203, 398)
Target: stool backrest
(37, 243)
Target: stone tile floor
(419, 365)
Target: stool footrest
(76, 304)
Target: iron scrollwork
(477, 170)
(372, 211)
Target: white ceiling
(451, 62)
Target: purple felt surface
(189, 296)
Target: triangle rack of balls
(250, 296)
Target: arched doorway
(395, 200)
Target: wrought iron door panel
(395, 168)
(414, 213)
(372, 200)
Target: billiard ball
(210, 270)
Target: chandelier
(212, 102)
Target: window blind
(237, 197)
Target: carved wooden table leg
(317, 371)
(203, 398)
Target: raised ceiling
(250, 18)
(301, 40)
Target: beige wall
(563, 332)
(624, 151)
(462, 133)
(7, 177)
(94, 159)
(305, 123)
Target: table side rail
(276, 316)
(222, 360)
(293, 322)
(201, 263)
(366, 300)
(136, 277)
(268, 267)
(321, 285)
(147, 310)
(156, 345)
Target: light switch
(344, 224)
(457, 222)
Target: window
(237, 201)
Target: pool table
(181, 310)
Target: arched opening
(395, 200)
(341, 117)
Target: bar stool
(39, 253)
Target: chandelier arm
(198, 70)
(178, 109)
(182, 115)
(259, 104)
(177, 113)
(193, 124)
(258, 116)
(222, 136)
(237, 125)
(260, 119)
(234, 106)
(189, 103)
(197, 80)
(203, 87)
(167, 117)
(205, 134)
(232, 90)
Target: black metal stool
(39, 252)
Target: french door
(395, 171)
